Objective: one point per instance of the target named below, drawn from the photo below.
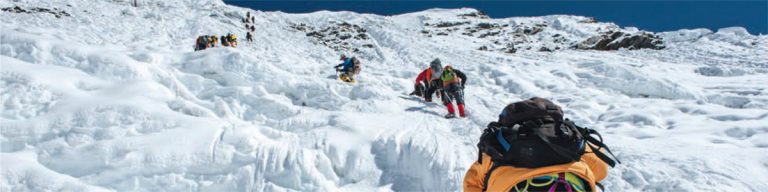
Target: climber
(349, 68)
(453, 82)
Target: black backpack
(531, 145)
(532, 133)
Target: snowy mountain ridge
(112, 98)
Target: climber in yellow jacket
(531, 148)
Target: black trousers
(451, 93)
(432, 88)
(419, 89)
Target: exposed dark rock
(443, 33)
(545, 49)
(57, 13)
(531, 31)
(451, 24)
(510, 48)
(616, 40)
(589, 20)
(492, 33)
(559, 39)
(361, 36)
(338, 37)
(478, 14)
(315, 34)
(483, 48)
(487, 25)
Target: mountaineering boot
(461, 110)
(451, 112)
(346, 78)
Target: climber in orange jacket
(517, 152)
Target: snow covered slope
(105, 96)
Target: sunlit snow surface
(112, 98)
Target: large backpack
(532, 133)
(355, 65)
(199, 43)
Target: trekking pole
(337, 72)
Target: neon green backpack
(448, 75)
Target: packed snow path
(111, 97)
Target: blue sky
(650, 15)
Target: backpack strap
(494, 165)
(586, 133)
(601, 145)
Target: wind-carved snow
(112, 97)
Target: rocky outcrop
(447, 24)
(341, 36)
(475, 14)
(56, 12)
(616, 40)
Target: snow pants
(432, 88)
(451, 93)
(419, 90)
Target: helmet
(436, 66)
(343, 56)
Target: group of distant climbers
(208, 41)
(230, 40)
(249, 28)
